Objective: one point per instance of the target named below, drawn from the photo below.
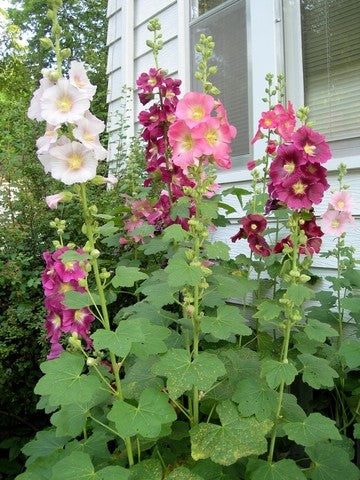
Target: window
(331, 65)
(226, 22)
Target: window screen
(331, 59)
(227, 25)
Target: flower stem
(105, 314)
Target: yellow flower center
(56, 320)
(49, 133)
(65, 287)
(75, 162)
(289, 167)
(64, 104)
(253, 226)
(267, 122)
(335, 223)
(78, 316)
(258, 246)
(311, 169)
(88, 137)
(309, 150)
(68, 265)
(340, 204)
(299, 188)
(187, 142)
(212, 137)
(152, 81)
(197, 112)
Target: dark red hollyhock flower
(279, 246)
(271, 147)
(254, 224)
(312, 246)
(272, 204)
(258, 245)
(239, 235)
(311, 229)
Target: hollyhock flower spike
(72, 163)
(63, 103)
(314, 146)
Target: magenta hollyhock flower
(55, 351)
(251, 165)
(268, 120)
(69, 270)
(300, 194)
(254, 224)
(239, 235)
(285, 168)
(311, 229)
(312, 246)
(342, 201)
(148, 81)
(312, 144)
(78, 321)
(53, 325)
(315, 172)
(258, 245)
(194, 108)
(335, 222)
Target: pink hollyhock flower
(312, 144)
(286, 121)
(72, 163)
(63, 103)
(194, 108)
(284, 168)
(271, 147)
(214, 141)
(44, 143)
(335, 222)
(186, 148)
(239, 235)
(53, 200)
(258, 135)
(341, 201)
(87, 131)
(34, 111)
(221, 114)
(254, 224)
(268, 120)
(79, 79)
(258, 245)
(55, 351)
(251, 165)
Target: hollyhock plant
(34, 112)
(314, 146)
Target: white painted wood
(115, 27)
(113, 6)
(128, 53)
(114, 56)
(169, 26)
(147, 9)
(183, 19)
(116, 82)
(167, 59)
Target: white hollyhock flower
(44, 143)
(34, 111)
(46, 159)
(63, 103)
(72, 163)
(87, 131)
(79, 79)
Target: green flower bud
(93, 209)
(56, 244)
(53, 224)
(82, 282)
(294, 273)
(95, 253)
(304, 278)
(46, 43)
(74, 341)
(92, 362)
(65, 53)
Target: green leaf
(108, 229)
(235, 438)
(299, 293)
(147, 418)
(78, 300)
(291, 410)
(209, 470)
(352, 304)
(175, 232)
(218, 250)
(113, 472)
(127, 276)
(353, 276)
(154, 245)
(44, 443)
(63, 382)
(227, 322)
(147, 470)
(283, 470)
(76, 466)
(317, 372)
(357, 430)
(254, 397)
(350, 349)
(315, 428)
(183, 473)
(181, 273)
(268, 310)
(95, 445)
(144, 230)
(120, 341)
(209, 209)
(153, 342)
(73, 256)
(138, 377)
(331, 463)
(228, 208)
(303, 343)
(236, 287)
(157, 289)
(319, 331)
(41, 468)
(183, 373)
(277, 372)
(180, 208)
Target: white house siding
(267, 27)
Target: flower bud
(74, 341)
(294, 273)
(46, 43)
(93, 209)
(95, 253)
(92, 362)
(82, 282)
(65, 53)
(304, 278)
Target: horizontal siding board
(146, 10)
(116, 82)
(115, 27)
(167, 59)
(113, 6)
(169, 25)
